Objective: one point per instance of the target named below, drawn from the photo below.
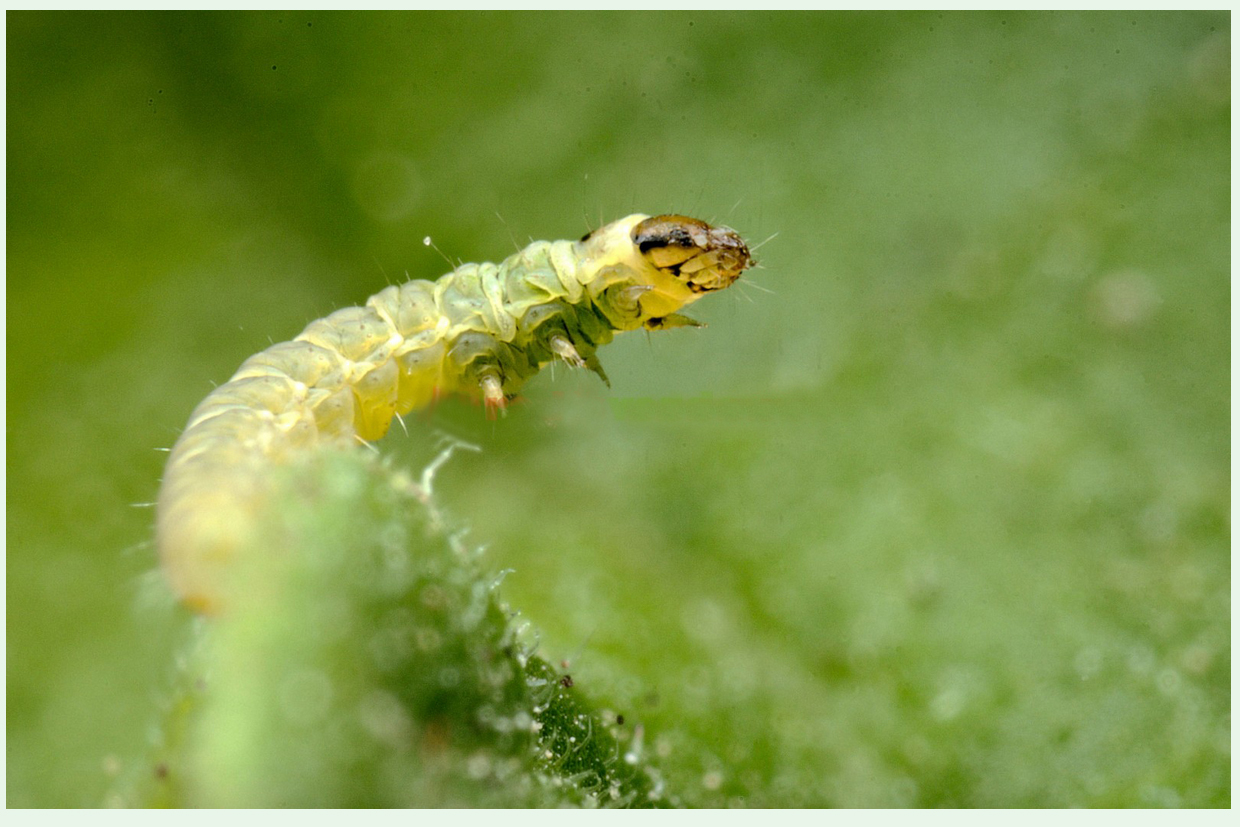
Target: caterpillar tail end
(199, 537)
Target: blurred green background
(935, 512)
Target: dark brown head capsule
(703, 257)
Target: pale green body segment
(481, 330)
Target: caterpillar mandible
(482, 330)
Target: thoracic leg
(563, 348)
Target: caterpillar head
(702, 257)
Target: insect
(482, 331)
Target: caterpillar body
(482, 330)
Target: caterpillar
(481, 331)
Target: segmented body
(481, 330)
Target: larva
(481, 330)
